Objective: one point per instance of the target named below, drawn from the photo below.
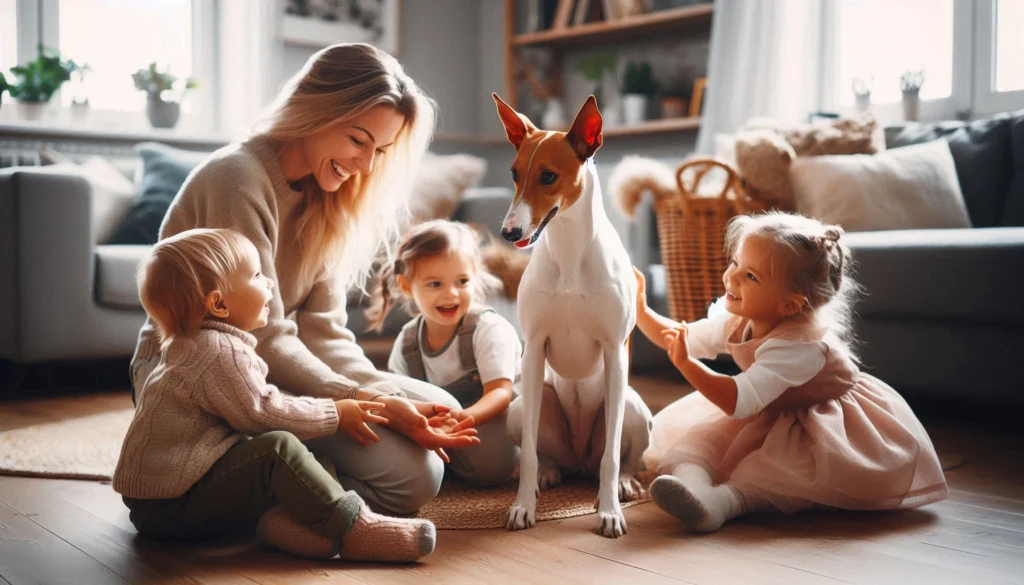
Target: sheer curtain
(765, 59)
(250, 55)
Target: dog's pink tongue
(522, 243)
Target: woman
(318, 188)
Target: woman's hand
(641, 291)
(353, 416)
(407, 417)
(675, 343)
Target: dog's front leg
(612, 522)
(521, 515)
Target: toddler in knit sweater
(214, 447)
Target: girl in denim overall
(454, 342)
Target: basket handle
(704, 164)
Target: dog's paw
(629, 488)
(520, 518)
(548, 477)
(612, 524)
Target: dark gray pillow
(1013, 213)
(983, 158)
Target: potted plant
(862, 92)
(595, 70)
(910, 84)
(162, 107)
(676, 95)
(36, 81)
(638, 86)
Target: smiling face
(442, 287)
(338, 152)
(246, 303)
(752, 288)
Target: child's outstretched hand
(641, 291)
(675, 342)
(353, 416)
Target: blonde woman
(318, 188)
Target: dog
(577, 308)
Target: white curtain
(251, 56)
(765, 60)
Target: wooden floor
(77, 532)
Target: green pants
(248, 480)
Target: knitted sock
(279, 529)
(374, 537)
(689, 495)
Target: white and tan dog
(577, 308)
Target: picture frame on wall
(320, 23)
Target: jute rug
(88, 447)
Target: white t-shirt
(779, 364)
(496, 347)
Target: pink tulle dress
(842, 439)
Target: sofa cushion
(116, 269)
(984, 161)
(1013, 213)
(968, 275)
(164, 170)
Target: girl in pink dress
(801, 426)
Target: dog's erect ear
(585, 134)
(517, 126)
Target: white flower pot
(32, 111)
(634, 108)
(911, 105)
(863, 102)
(554, 115)
(162, 114)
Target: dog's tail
(635, 175)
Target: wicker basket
(691, 233)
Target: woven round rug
(461, 507)
(88, 448)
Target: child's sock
(279, 529)
(374, 537)
(690, 496)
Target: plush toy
(854, 135)
(763, 158)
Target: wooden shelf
(601, 31)
(654, 127)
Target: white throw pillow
(913, 187)
(440, 183)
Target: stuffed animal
(854, 135)
(763, 158)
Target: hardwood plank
(31, 554)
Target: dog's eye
(515, 175)
(547, 177)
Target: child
(454, 342)
(802, 426)
(187, 467)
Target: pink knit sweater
(208, 393)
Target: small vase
(554, 115)
(862, 102)
(911, 105)
(634, 108)
(162, 114)
(32, 111)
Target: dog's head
(549, 168)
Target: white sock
(689, 495)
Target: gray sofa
(941, 317)
(63, 296)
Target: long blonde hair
(810, 259)
(428, 239)
(345, 229)
(181, 271)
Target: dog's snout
(512, 235)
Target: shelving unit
(560, 40)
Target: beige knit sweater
(208, 392)
(306, 343)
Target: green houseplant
(34, 83)
(638, 86)
(163, 108)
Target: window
(1009, 45)
(8, 35)
(878, 43)
(145, 31)
(970, 53)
